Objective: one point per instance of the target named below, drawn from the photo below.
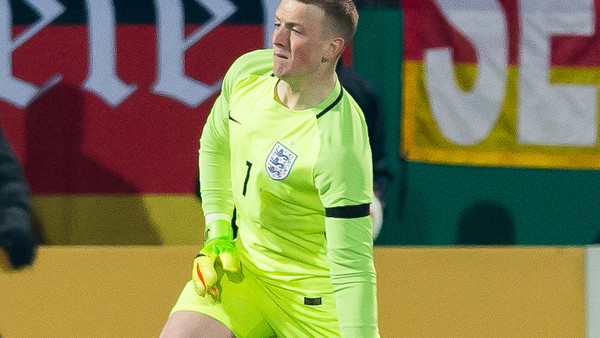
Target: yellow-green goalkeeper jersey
(301, 183)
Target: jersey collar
(326, 105)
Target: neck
(306, 93)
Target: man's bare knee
(190, 324)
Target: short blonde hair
(341, 14)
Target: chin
(279, 73)
(277, 68)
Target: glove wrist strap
(218, 228)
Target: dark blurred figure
(365, 95)
(16, 237)
(486, 223)
(597, 241)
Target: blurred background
(487, 135)
(489, 113)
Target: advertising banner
(104, 102)
(502, 82)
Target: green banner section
(431, 204)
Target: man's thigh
(194, 324)
(237, 309)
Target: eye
(277, 24)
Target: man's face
(298, 39)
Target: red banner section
(426, 27)
(72, 141)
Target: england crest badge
(279, 162)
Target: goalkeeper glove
(217, 256)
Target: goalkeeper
(288, 148)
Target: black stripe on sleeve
(339, 98)
(350, 211)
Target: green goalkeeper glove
(216, 257)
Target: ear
(334, 48)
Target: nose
(280, 36)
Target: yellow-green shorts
(254, 309)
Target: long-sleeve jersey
(301, 182)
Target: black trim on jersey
(232, 119)
(312, 301)
(350, 211)
(339, 98)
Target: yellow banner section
(423, 140)
(118, 219)
(481, 292)
(107, 291)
